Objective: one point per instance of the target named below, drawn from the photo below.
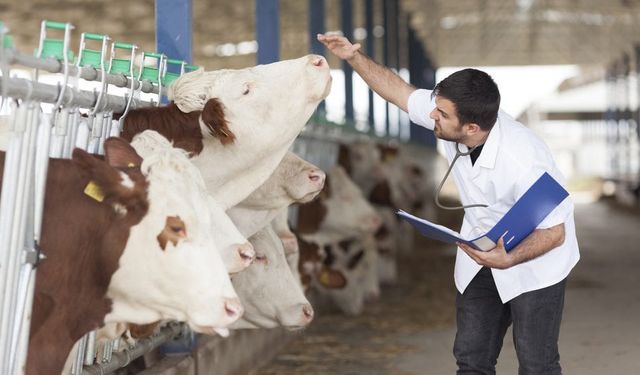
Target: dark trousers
(483, 321)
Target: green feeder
(51, 47)
(172, 76)
(152, 73)
(120, 65)
(190, 68)
(7, 40)
(90, 57)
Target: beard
(437, 131)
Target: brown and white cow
(83, 239)
(171, 267)
(312, 269)
(238, 124)
(340, 212)
(352, 259)
(237, 253)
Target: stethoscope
(437, 199)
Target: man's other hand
(339, 46)
(494, 258)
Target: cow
(268, 291)
(170, 267)
(293, 181)
(238, 124)
(340, 212)
(350, 258)
(312, 269)
(237, 253)
(84, 232)
(280, 225)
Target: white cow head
(249, 119)
(237, 253)
(294, 180)
(171, 268)
(268, 290)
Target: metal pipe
(90, 350)
(87, 73)
(24, 89)
(143, 346)
(25, 243)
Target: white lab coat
(512, 159)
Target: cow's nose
(233, 309)
(307, 313)
(318, 61)
(317, 176)
(246, 253)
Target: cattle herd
(199, 213)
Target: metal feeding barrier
(50, 120)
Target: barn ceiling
(522, 32)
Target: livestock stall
(69, 101)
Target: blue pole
(268, 31)
(422, 74)
(385, 54)
(347, 30)
(370, 51)
(173, 29)
(316, 26)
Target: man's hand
(339, 46)
(494, 258)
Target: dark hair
(475, 95)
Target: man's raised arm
(381, 79)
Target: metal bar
(87, 73)
(26, 89)
(25, 239)
(122, 359)
(7, 225)
(268, 30)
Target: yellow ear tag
(325, 278)
(94, 191)
(131, 165)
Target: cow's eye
(246, 90)
(261, 258)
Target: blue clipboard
(522, 219)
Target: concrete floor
(411, 330)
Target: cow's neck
(241, 169)
(250, 221)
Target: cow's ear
(112, 186)
(120, 154)
(331, 279)
(213, 118)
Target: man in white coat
(498, 159)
